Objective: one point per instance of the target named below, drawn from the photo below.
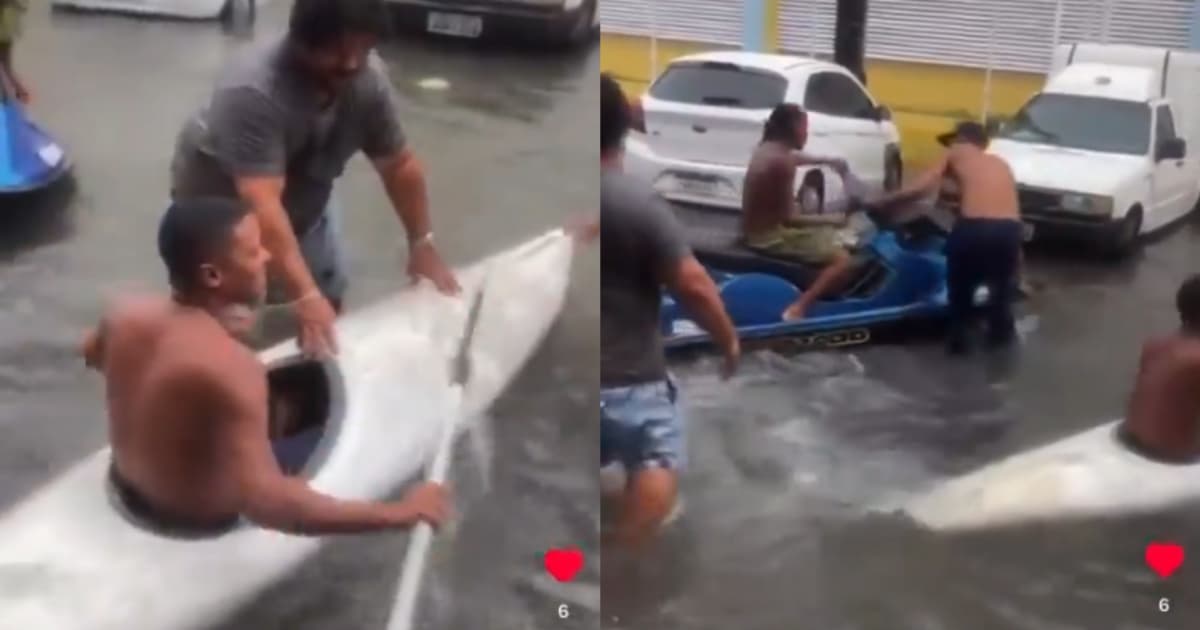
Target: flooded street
(507, 148)
(788, 457)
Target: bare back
(767, 200)
(1164, 410)
(986, 185)
(164, 368)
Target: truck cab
(1107, 149)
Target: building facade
(931, 61)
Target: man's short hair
(781, 125)
(317, 23)
(614, 114)
(192, 232)
(969, 131)
(1187, 301)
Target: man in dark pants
(984, 247)
(279, 129)
(643, 250)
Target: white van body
(1110, 147)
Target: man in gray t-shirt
(642, 249)
(278, 131)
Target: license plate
(454, 24)
(696, 186)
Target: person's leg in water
(10, 82)
(964, 272)
(1004, 262)
(642, 427)
(835, 273)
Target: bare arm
(274, 500)
(249, 137)
(92, 347)
(264, 197)
(926, 183)
(403, 178)
(694, 288)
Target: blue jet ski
(30, 160)
(900, 277)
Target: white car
(187, 9)
(698, 123)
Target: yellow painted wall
(628, 58)
(926, 99)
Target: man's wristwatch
(424, 239)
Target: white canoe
(189, 9)
(70, 561)
(1088, 475)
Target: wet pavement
(507, 150)
(785, 457)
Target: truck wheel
(1124, 236)
(581, 28)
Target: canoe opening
(301, 409)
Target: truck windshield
(1082, 122)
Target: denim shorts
(641, 426)
(321, 247)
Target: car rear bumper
(700, 183)
(501, 20)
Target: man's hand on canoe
(584, 228)
(428, 502)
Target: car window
(720, 84)
(1164, 127)
(836, 94)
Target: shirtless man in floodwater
(1163, 419)
(771, 224)
(187, 401)
(984, 247)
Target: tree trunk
(850, 35)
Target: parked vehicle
(1108, 148)
(698, 123)
(557, 22)
(901, 278)
(182, 9)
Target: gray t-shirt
(640, 242)
(265, 119)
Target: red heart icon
(563, 564)
(1164, 558)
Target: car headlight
(1090, 204)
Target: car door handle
(699, 129)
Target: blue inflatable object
(901, 276)
(30, 159)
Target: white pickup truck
(1110, 146)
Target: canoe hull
(1088, 475)
(68, 561)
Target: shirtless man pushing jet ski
(187, 401)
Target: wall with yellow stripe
(926, 98)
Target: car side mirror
(1171, 149)
(883, 113)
